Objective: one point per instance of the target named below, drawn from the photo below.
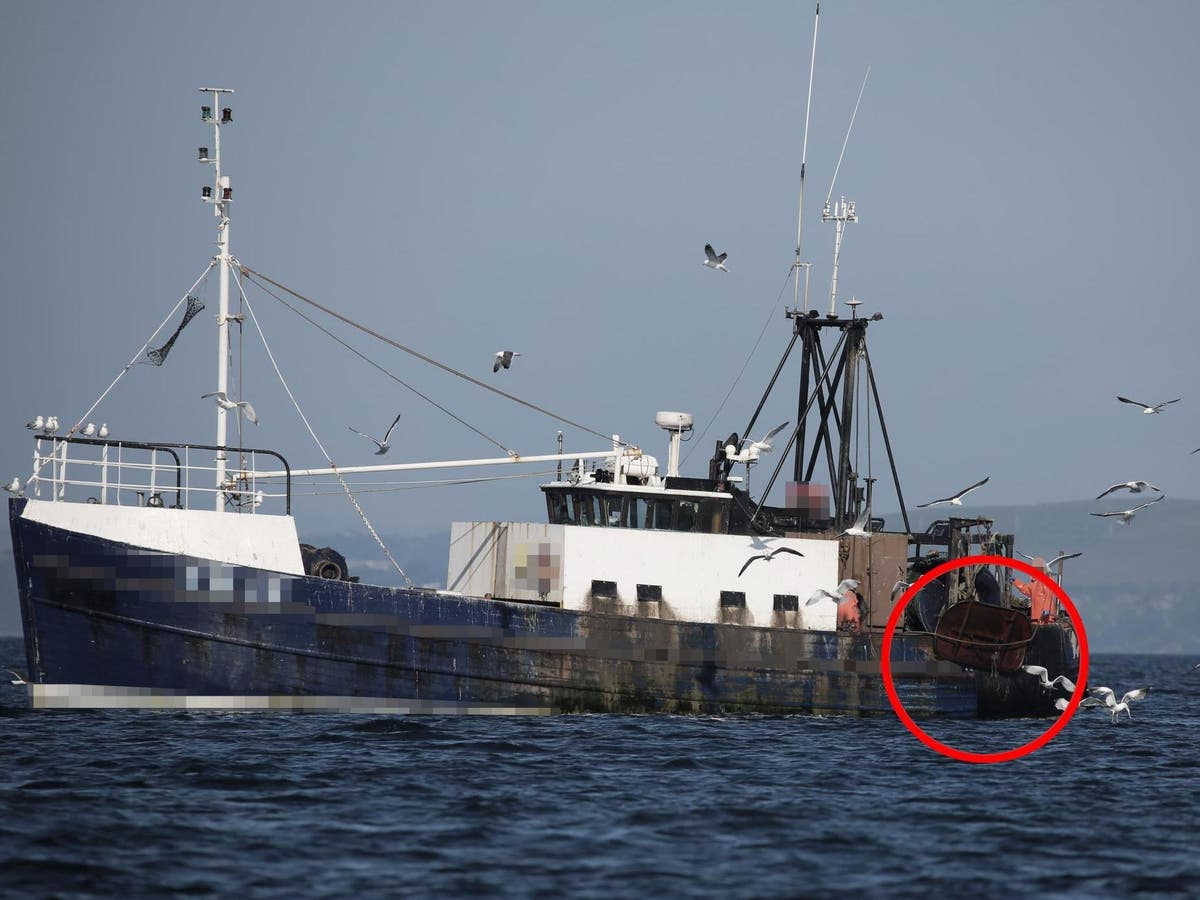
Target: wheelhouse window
(615, 510)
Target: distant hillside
(1137, 587)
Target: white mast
(799, 263)
(221, 196)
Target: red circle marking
(885, 663)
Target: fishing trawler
(171, 575)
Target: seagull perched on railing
(103, 432)
(714, 260)
(1108, 699)
(1147, 408)
(838, 595)
(14, 486)
(383, 445)
(36, 424)
(1128, 514)
(51, 426)
(1042, 673)
(955, 500)
(1134, 487)
(768, 556)
(225, 403)
(503, 359)
(89, 430)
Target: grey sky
(467, 177)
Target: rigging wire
(349, 493)
(146, 343)
(742, 371)
(254, 275)
(390, 375)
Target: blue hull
(134, 623)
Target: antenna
(798, 264)
(846, 140)
(220, 195)
(843, 211)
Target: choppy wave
(280, 805)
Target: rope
(742, 371)
(394, 378)
(246, 270)
(408, 581)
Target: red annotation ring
(953, 752)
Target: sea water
(118, 802)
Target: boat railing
(138, 473)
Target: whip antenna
(843, 211)
(798, 264)
(846, 140)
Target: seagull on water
(955, 500)
(14, 486)
(383, 445)
(504, 359)
(838, 595)
(768, 556)
(36, 424)
(1046, 565)
(1046, 682)
(859, 528)
(1108, 699)
(1061, 703)
(714, 260)
(1146, 408)
(225, 403)
(1134, 487)
(1128, 514)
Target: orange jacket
(1041, 599)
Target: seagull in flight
(955, 500)
(225, 403)
(1046, 565)
(1108, 699)
(18, 678)
(859, 528)
(838, 595)
(383, 445)
(751, 453)
(1134, 487)
(1047, 683)
(714, 260)
(1146, 408)
(504, 359)
(768, 557)
(1128, 514)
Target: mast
(799, 263)
(220, 195)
